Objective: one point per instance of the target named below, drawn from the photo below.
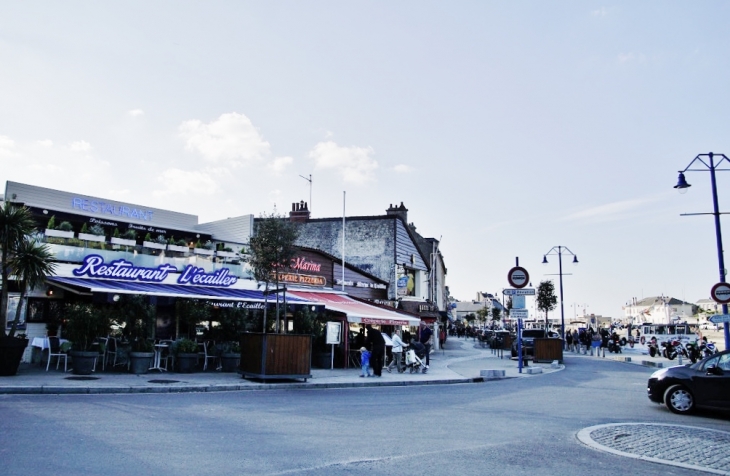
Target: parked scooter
(673, 348)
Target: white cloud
(183, 182)
(136, 112)
(611, 211)
(631, 57)
(45, 143)
(7, 147)
(231, 139)
(402, 168)
(354, 164)
(601, 12)
(279, 164)
(79, 146)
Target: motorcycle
(693, 349)
(614, 345)
(707, 348)
(673, 348)
(652, 346)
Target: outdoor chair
(55, 350)
(203, 354)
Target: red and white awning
(357, 311)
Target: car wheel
(679, 400)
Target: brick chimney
(400, 211)
(299, 212)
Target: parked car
(682, 389)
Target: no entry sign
(518, 277)
(720, 293)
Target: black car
(528, 341)
(705, 384)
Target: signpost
(719, 318)
(519, 313)
(334, 330)
(519, 292)
(518, 277)
(720, 293)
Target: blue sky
(506, 128)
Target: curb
(59, 390)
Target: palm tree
(31, 263)
(16, 223)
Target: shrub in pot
(139, 317)
(230, 356)
(84, 324)
(186, 355)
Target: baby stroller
(414, 360)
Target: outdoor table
(158, 354)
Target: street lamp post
(559, 250)
(682, 186)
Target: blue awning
(171, 290)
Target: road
(514, 426)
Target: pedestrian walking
(377, 346)
(364, 362)
(397, 352)
(426, 336)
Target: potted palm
(84, 325)
(30, 262)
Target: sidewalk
(460, 362)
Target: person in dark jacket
(377, 345)
(426, 334)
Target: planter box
(276, 356)
(59, 233)
(186, 363)
(229, 362)
(548, 350)
(154, 245)
(140, 362)
(90, 237)
(226, 254)
(203, 251)
(178, 248)
(123, 241)
(11, 353)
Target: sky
(507, 128)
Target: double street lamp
(559, 250)
(709, 163)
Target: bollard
(679, 354)
(603, 352)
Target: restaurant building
(107, 248)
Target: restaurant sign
(384, 322)
(94, 266)
(305, 279)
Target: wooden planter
(547, 350)
(276, 356)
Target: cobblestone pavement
(684, 446)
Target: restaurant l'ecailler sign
(94, 266)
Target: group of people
(372, 354)
(589, 338)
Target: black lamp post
(682, 186)
(559, 250)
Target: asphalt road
(514, 426)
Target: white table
(158, 354)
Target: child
(365, 362)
